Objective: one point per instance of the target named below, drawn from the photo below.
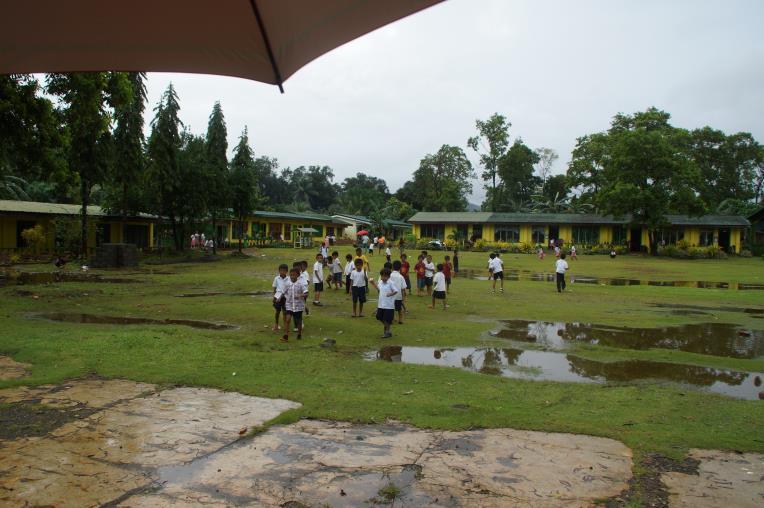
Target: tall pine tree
(243, 182)
(217, 169)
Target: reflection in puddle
(114, 320)
(717, 339)
(527, 275)
(553, 366)
(12, 278)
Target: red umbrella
(263, 40)
(362, 232)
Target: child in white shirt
(278, 288)
(560, 266)
(429, 272)
(496, 269)
(318, 279)
(336, 271)
(386, 303)
(358, 282)
(397, 279)
(440, 287)
(348, 269)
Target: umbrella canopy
(362, 232)
(262, 40)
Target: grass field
(337, 383)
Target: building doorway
(724, 239)
(635, 243)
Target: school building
(103, 227)
(726, 231)
(282, 226)
(394, 229)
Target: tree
(12, 187)
(643, 170)
(491, 144)
(727, 165)
(396, 209)
(164, 168)
(589, 157)
(124, 192)
(360, 194)
(442, 181)
(85, 97)
(555, 185)
(516, 171)
(243, 183)
(32, 138)
(546, 159)
(216, 146)
(313, 187)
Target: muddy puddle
(716, 339)
(14, 278)
(116, 320)
(555, 366)
(527, 275)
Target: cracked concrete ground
(11, 369)
(723, 479)
(132, 444)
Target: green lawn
(339, 384)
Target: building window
(477, 232)
(539, 234)
(287, 232)
(619, 235)
(586, 235)
(274, 230)
(670, 236)
(706, 237)
(508, 234)
(137, 234)
(436, 231)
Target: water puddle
(115, 320)
(527, 275)
(555, 366)
(716, 339)
(700, 309)
(14, 278)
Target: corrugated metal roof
(293, 216)
(708, 220)
(35, 207)
(354, 218)
(561, 218)
(451, 217)
(567, 218)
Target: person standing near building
(560, 267)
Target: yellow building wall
(735, 239)
(566, 233)
(606, 234)
(526, 233)
(692, 235)
(488, 232)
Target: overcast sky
(557, 69)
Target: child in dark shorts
(447, 272)
(348, 268)
(278, 287)
(405, 267)
(386, 304)
(358, 282)
(295, 291)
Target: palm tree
(12, 187)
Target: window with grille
(586, 235)
(435, 231)
(508, 234)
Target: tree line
(88, 147)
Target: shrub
(34, 239)
(745, 253)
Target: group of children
(291, 289)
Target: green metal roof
(34, 207)
(293, 216)
(450, 217)
(566, 218)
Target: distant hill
(472, 207)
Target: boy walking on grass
(336, 271)
(386, 302)
(560, 266)
(496, 269)
(348, 269)
(400, 283)
(318, 279)
(405, 267)
(429, 273)
(358, 288)
(278, 288)
(295, 293)
(419, 269)
(439, 280)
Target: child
(336, 270)
(388, 253)
(318, 279)
(295, 293)
(348, 268)
(324, 252)
(405, 267)
(305, 278)
(496, 269)
(419, 269)
(440, 288)
(573, 252)
(358, 282)
(278, 287)
(400, 283)
(560, 266)
(447, 272)
(541, 252)
(386, 302)
(429, 272)
(456, 260)
(366, 265)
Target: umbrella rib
(260, 24)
